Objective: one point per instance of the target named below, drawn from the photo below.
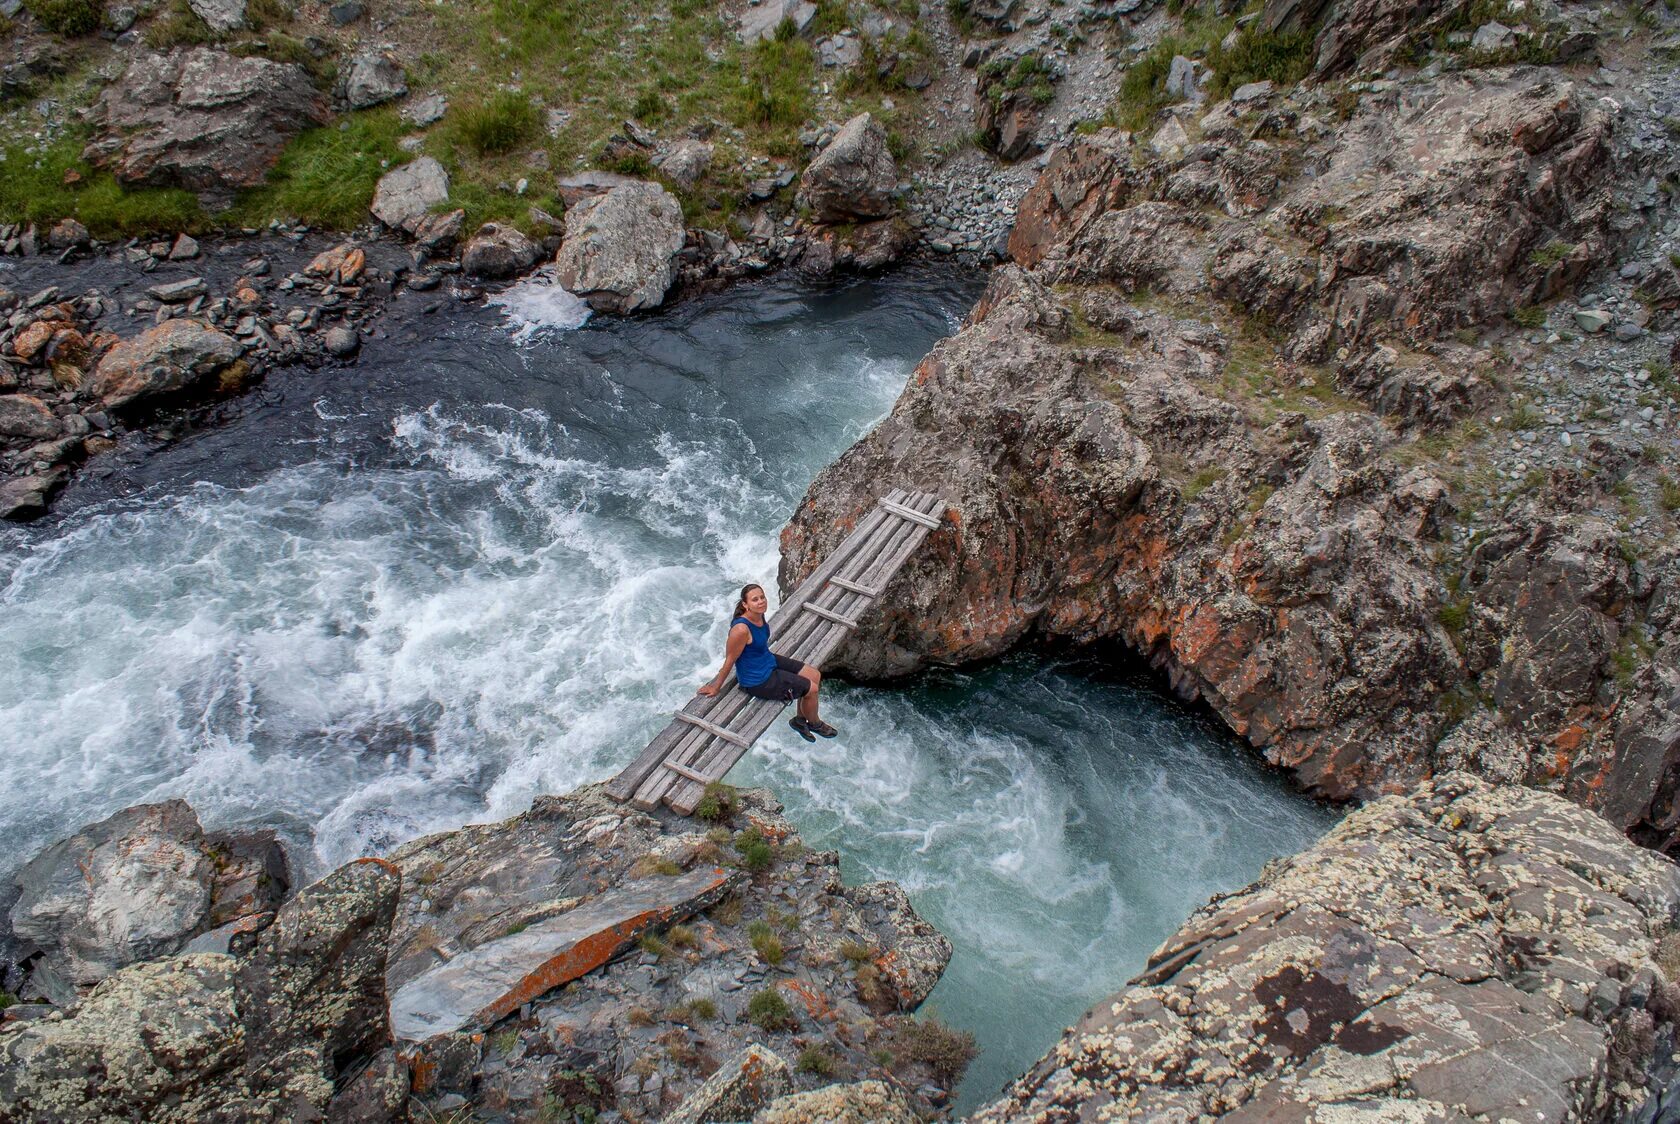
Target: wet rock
(342, 264)
(341, 342)
(437, 233)
(1375, 964)
(26, 497)
(221, 15)
(25, 416)
(405, 196)
(620, 246)
(497, 252)
(178, 292)
(201, 119)
(371, 78)
(853, 177)
(745, 1083)
(185, 248)
(162, 360)
(863, 1102)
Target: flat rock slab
(490, 981)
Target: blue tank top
(755, 663)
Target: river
(483, 564)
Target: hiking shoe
(802, 728)
(821, 728)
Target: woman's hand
(709, 690)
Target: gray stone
(346, 12)
(853, 177)
(27, 417)
(1627, 331)
(497, 252)
(406, 195)
(685, 162)
(620, 246)
(222, 15)
(435, 233)
(1493, 36)
(341, 342)
(1170, 137)
(184, 249)
(178, 292)
(842, 51)
(66, 234)
(426, 110)
(1181, 80)
(26, 497)
(372, 77)
(760, 21)
(1592, 319)
(1251, 93)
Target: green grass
(755, 851)
(1029, 75)
(766, 943)
(818, 1062)
(945, 1051)
(717, 803)
(1550, 254)
(69, 18)
(1283, 58)
(1204, 480)
(32, 189)
(767, 1010)
(1668, 494)
(698, 1009)
(775, 92)
(178, 26)
(326, 176)
(1531, 316)
(497, 124)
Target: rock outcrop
(1466, 952)
(297, 1030)
(620, 247)
(135, 886)
(854, 177)
(201, 119)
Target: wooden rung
(910, 513)
(829, 614)
(716, 731)
(685, 771)
(856, 587)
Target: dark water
(414, 593)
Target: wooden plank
(855, 587)
(911, 514)
(873, 520)
(685, 771)
(829, 614)
(713, 729)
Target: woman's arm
(738, 640)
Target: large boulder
(406, 195)
(171, 357)
(497, 252)
(620, 247)
(297, 1031)
(25, 416)
(370, 78)
(137, 885)
(201, 119)
(1467, 952)
(853, 177)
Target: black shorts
(785, 683)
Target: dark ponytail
(741, 602)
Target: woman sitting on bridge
(765, 675)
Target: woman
(765, 675)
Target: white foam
(539, 306)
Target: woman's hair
(741, 602)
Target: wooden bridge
(709, 735)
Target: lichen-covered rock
(173, 356)
(620, 246)
(298, 1030)
(1468, 951)
(201, 119)
(853, 177)
(741, 1086)
(863, 1102)
(137, 885)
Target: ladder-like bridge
(709, 735)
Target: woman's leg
(808, 702)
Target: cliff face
(1469, 951)
(1250, 401)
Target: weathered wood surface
(709, 735)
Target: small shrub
(766, 943)
(497, 125)
(755, 851)
(649, 865)
(649, 105)
(869, 986)
(818, 1062)
(639, 1016)
(1667, 957)
(1258, 497)
(1454, 615)
(504, 1041)
(69, 18)
(767, 1010)
(728, 911)
(1029, 75)
(1204, 480)
(7, 999)
(654, 945)
(1281, 57)
(717, 804)
(775, 91)
(696, 1009)
(1533, 316)
(681, 936)
(179, 26)
(1668, 494)
(945, 1051)
(1550, 254)
(857, 952)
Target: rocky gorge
(1339, 387)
